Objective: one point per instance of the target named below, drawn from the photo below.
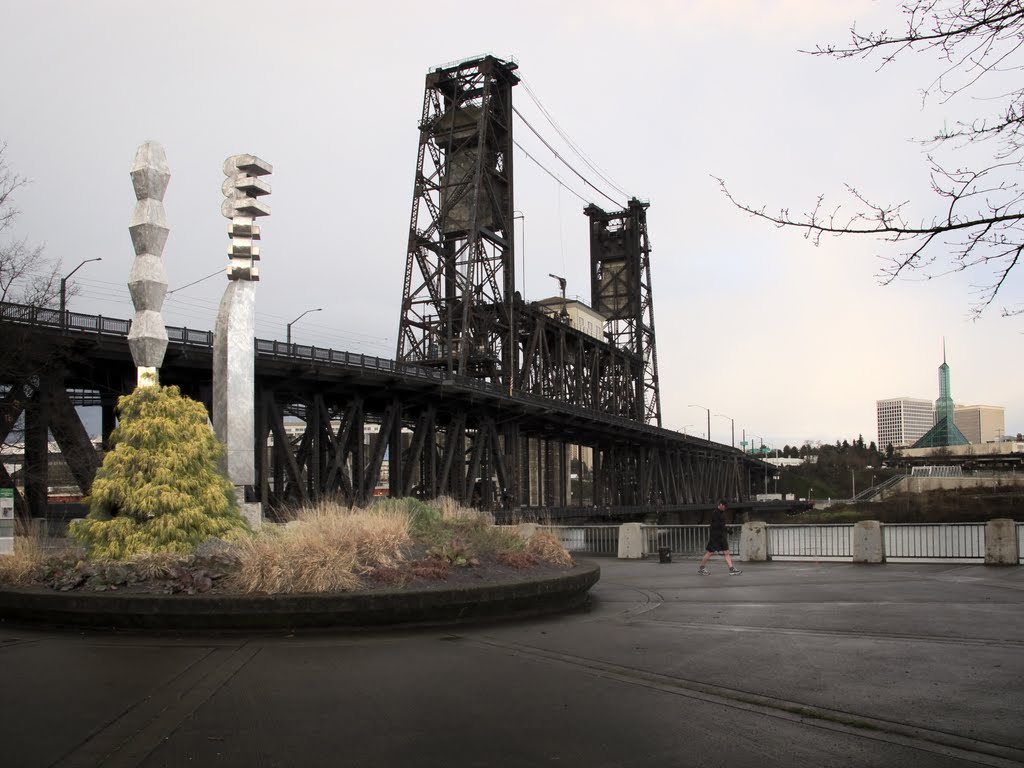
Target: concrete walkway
(789, 664)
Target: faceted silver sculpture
(147, 281)
(234, 346)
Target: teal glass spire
(945, 431)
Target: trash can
(664, 554)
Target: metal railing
(963, 542)
(587, 539)
(945, 541)
(684, 540)
(810, 541)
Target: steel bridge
(443, 433)
(547, 408)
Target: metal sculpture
(147, 281)
(234, 338)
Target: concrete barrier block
(867, 542)
(526, 530)
(754, 542)
(631, 541)
(1001, 542)
(7, 545)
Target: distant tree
(26, 276)
(890, 452)
(980, 220)
(1020, 437)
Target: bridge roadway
(452, 432)
(797, 665)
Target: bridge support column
(37, 452)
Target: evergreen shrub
(160, 488)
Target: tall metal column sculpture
(147, 281)
(234, 341)
(620, 287)
(457, 303)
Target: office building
(980, 423)
(902, 421)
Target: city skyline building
(980, 423)
(902, 421)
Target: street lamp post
(733, 425)
(709, 417)
(293, 322)
(64, 292)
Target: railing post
(867, 545)
(754, 542)
(526, 530)
(1001, 542)
(631, 541)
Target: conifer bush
(160, 488)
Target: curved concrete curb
(515, 599)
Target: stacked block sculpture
(147, 281)
(234, 350)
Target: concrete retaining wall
(911, 484)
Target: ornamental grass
(326, 547)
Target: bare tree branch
(981, 226)
(26, 276)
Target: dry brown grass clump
(19, 568)
(546, 546)
(325, 549)
(453, 511)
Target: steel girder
(566, 365)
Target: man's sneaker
(703, 572)
(735, 571)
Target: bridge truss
(327, 420)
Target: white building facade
(902, 421)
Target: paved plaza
(789, 664)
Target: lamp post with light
(293, 322)
(64, 292)
(709, 417)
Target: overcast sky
(792, 342)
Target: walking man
(718, 541)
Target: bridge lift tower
(620, 289)
(459, 274)
(460, 311)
